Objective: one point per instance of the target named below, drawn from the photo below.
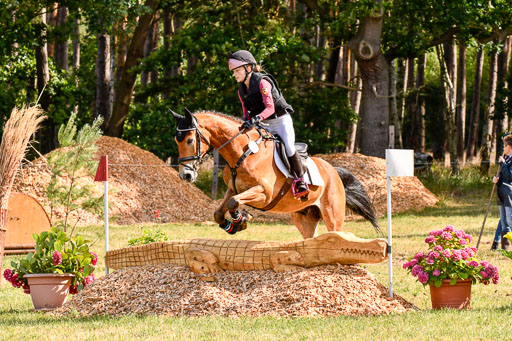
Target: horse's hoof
(229, 227)
(248, 217)
(241, 224)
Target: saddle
(302, 150)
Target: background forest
(437, 71)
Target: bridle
(199, 158)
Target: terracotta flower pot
(49, 291)
(456, 296)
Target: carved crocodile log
(212, 255)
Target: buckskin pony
(253, 178)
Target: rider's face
(239, 74)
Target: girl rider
(262, 100)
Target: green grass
(488, 319)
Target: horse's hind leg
(306, 221)
(332, 204)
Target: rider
(262, 100)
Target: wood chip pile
(141, 183)
(406, 192)
(175, 291)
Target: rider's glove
(251, 122)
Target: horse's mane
(236, 119)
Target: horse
(253, 179)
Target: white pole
(105, 197)
(390, 256)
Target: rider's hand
(495, 179)
(251, 122)
(501, 159)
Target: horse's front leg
(240, 219)
(252, 195)
(219, 213)
(232, 203)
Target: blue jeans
(497, 235)
(505, 220)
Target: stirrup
(301, 193)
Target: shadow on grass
(30, 317)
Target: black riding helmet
(243, 56)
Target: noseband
(199, 158)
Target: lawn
(487, 319)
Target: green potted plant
(59, 266)
(450, 267)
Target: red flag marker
(102, 172)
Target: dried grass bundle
(22, 124)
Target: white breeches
(283, 126)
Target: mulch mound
(164, 289)
(406, 192)
(140, 184)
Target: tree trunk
(61, 45)
(150, 45)
(410, 106)
(127, 83)
(76, 52)
(475, 107)
(76, 45)
(374, 69)
(335, 59)
(393, 106)
(419, 122)
(448, 63)
(153, 75)
(501, 117)
(320, 43)
(121, 50)
(355, 101)
(47, 131)
(460, 112)
(485, 152)
(401, 85)
(51, 20)
(103, 75)
(172, 24)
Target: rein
(200, 158)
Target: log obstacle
(213, 255)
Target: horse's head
(192, 145)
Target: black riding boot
(300, 189)
(505, 243)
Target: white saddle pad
(312, 176)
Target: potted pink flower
(450, 267)
(59, 266)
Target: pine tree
(70, 165)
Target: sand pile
(164, 289)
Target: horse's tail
(357, 199)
